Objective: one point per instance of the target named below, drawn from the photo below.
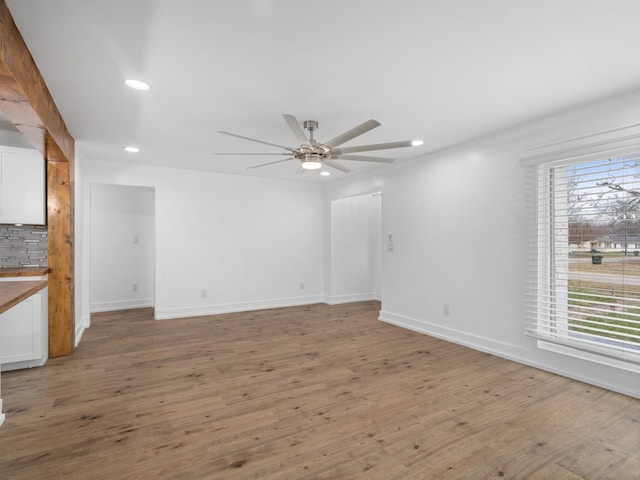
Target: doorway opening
(122, 257)
(356, 248)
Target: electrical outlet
(134, 287)
(301, 285)
(390, 246)
(204, 294)
(446, 309)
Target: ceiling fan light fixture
(310, 160)
(415, 143)
(311, 165)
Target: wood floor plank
(310, 392)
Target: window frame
(549, 248)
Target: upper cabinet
(22, 186)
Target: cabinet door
(20, 332)
(22, 188)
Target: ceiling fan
(312, 154)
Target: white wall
(81, 268)
(122, 247)
(14, 138)
(459, 225)
(355, 254)
(243, 242)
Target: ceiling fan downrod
(311, 125)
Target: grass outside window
(608, 310)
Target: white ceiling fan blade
(254, 153)
(255, 140)
(337, 166)
(270, 163)
(368, 148)
(365, 158)
(354, 132)
(295, 127)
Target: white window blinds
(585, 291)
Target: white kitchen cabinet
(24, 333)
(22, 186)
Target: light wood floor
(314, 392)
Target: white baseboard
(484, 344)
(84, 323)
(7, 367)
(351, 298)
(201, 310)
(97, 307)
(499, 349)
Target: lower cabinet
(24, 333)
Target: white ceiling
(442, 71)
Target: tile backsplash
(23, 246)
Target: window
(584, 290)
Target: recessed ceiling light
(136, 84)
(415, 143)
(325, 173)
(131, 149)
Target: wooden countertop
(12, 293)
(24, 272)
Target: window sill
(589, 356)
